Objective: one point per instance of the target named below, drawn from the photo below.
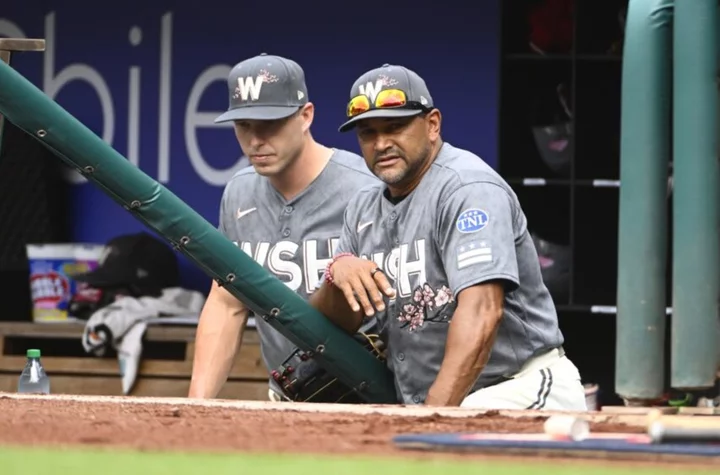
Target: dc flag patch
(472, 220)
(473, 253)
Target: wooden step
(165, 368)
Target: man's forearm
(218, 338)
(331, 302)
(469, 343)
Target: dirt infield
(167, 424)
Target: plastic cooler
(51, 269)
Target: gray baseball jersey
(461, 226)
(293, 240)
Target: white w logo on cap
(249, 86)
(372, 89)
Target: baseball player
(285, 210)
(441, 255)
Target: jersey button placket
(284, 219)
(392, 228)
(391, 232)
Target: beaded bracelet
(328, 276)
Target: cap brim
(103, 277)
(379, 113)
(258, 113)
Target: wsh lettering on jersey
(298, 266)
(405, 265)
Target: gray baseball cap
(265, 87)
(390, 76)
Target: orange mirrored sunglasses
(386, 98)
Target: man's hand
(362, 283)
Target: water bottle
(33, 379)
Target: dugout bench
(164, 371)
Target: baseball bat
(660, 433)
(683, 422)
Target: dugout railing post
(8, 46)
(695, 277)
(669, 111)
(646, 97)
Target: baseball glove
(303, 380)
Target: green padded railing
(695, 279)
(28, 108)
(642, 236)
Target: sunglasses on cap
(385, 99)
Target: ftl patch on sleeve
(472, 220)
(473, 253)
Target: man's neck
(407, 188)
(303, 171)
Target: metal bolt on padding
(320, 349)
(135, 204)
(41, 133)
(89, 169)
(273, 314)
(362, 386)
(184, 240)
(230, 277)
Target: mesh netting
(33, 197)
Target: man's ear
(434, 122)
(307, 114)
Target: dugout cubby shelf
(560, 66)
(164, 371)
(597, 145)
(532, 103)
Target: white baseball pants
(549, 381)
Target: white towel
(122, 324)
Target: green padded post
(31, 110)
(644, 152)
(695, 196)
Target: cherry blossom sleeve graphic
(427, 305)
